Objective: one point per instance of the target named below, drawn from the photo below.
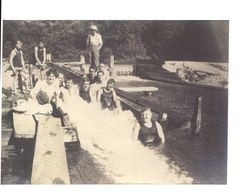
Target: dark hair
(68, 78)
(111, 81)
(19, 41)
(93, 67)
(145, 108)
(52, 71)
(85, 78)
(100, 72)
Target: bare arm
(92, 94)
(116, 100)
(35, 90)
(98, 97)
(160, 132)
(114, 95)
(36, 56)
(22, 59)
(44, 55)
(135, 132)
(12, 55)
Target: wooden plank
(49, 163)
(24, 125)
(159, 76)
(137, 108)
(139, 89)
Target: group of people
(35, 71)
(54, 91)
(38, 61)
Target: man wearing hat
(94, 44)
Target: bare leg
(14, 83)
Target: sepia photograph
(114, 101)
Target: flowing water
(108, 155)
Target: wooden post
(48, 57)
(112, 65)
(49, 163)
(82, 59)
(30, 75)
(196, 119)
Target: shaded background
(127, 40)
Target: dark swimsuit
(149, 136)
(107, 100)
(85, 95)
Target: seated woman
(107, 97)
(148, 132)
(41, 96)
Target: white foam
(108, 138)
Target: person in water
(61, 80)
(84, 90)
(92, 74)
(107, 96)
(103, 67)
(69, 91)
(148, 132)
(95, 87)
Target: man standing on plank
(39, 62)
(94, 44)
(17, 64)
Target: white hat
(93, 27)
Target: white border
(237, 13)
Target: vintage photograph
(114, 101)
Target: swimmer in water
(107, 96)
(95, 87)
(148, 132)
(60, 80)
(92, 74)
(69, 91)
(84, 90)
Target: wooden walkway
(49, 163)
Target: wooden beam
(138, 89)
(49, 163)
(24, 125)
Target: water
(107, 155)
(107, 137)
(205, 156)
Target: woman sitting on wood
(41, 96)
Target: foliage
(127, 40)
